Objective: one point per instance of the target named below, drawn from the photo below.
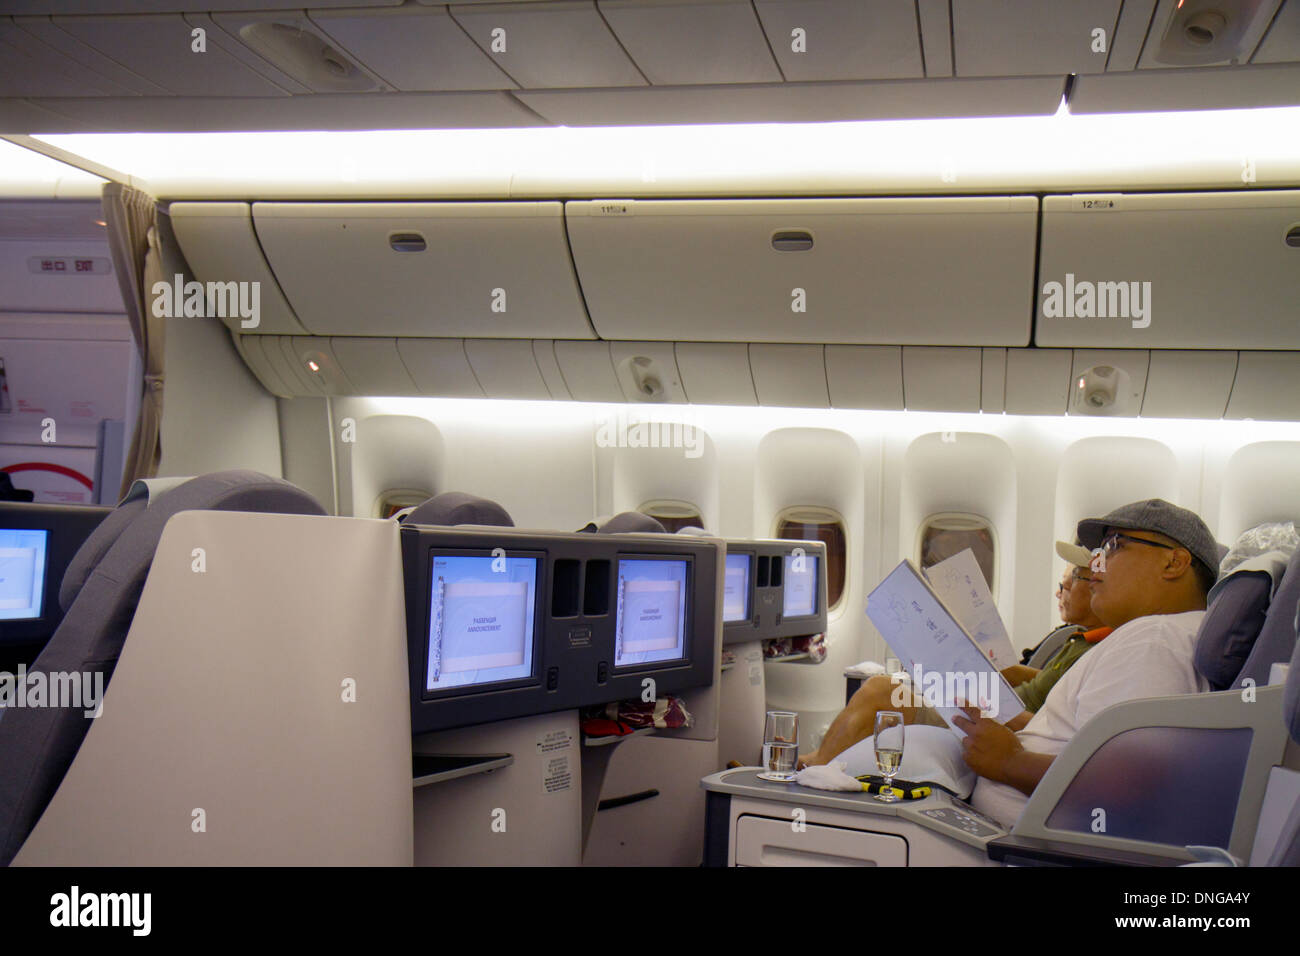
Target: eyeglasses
(1112, 543)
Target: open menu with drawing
(961, 586)
(943, 660)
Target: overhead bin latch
(1293, 237)
(407, 242)
(792, 240)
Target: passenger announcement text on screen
(481, 620)
(651, 621)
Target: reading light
(313, 366)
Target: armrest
(1143, 783)
(1032, 851)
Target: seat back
(100, 592)
(1277, 638)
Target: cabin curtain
(132, 221)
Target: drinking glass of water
(780, 745)
(889, 750)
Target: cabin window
(820, 524)
(391, 502)
(943, 535)
(673, 515)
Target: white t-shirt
(1147, 657)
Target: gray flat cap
(1158, 515)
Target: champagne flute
(889, 750)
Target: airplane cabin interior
(522, 433)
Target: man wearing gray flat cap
(1153, 564)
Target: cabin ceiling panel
(44, 30)
(941, 379)
(1267, 387)
(1282, 42)
(160, 48)
(1030, 38)
(549, 45)
(29, 67)
(356, 111)
(843, 39)
(716, 373)
(693, 41)
(1154, 91)
(420, 49)
(1038, 381)
(1187, 384)
(798, 103)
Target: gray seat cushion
(37, 745)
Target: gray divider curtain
(132, 218)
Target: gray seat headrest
(457, 507)
(631, 521)
(1276, 641)
(1231, 626)
(92, 550)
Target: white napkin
(829, 776)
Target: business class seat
(99, 594)
(1168, 773)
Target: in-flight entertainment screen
(482, 613)
(735, 595)
(651, 619)
(22, 573)
(800, 591)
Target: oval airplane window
(673, 515)
(947, 533)
(820, 524)
(391, 502)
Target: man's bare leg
(857, 721)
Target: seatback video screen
(735, 594)
(22, 573)
(800, 590)
(482, 616)
(651, 619)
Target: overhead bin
(930, 271)
(219, 244)
(1171, 270)
(463, 270)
